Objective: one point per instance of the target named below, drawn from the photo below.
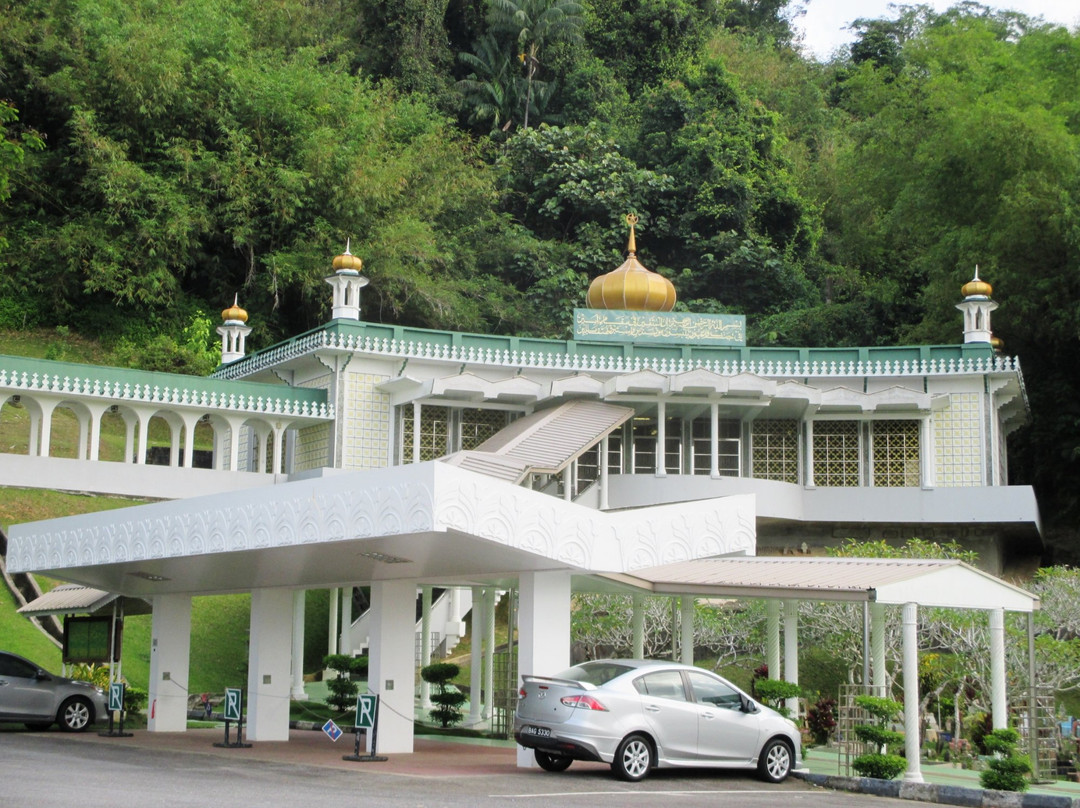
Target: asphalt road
(40, 770)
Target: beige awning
(545, 442)
(926, 582)
(76, 599)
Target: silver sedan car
(641, 714)
(37, 698)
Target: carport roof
(77, 599)
(926, 582)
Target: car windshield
(594, 673)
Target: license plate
(539, 732)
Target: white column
(190, 421)
(637, 626)
(425, 644)
(96, 412)
(809, 453)
(676, 625)
(269, 665)
(130, 422)
(170, 652)
(543, 629)
(687, 643)
(911, 693)
(174, 441)
(603, 474)
(47, 409)
(791, 652)
(85, 422)
(144, 436)
(661, 437)
(476, 628)
(489, 650)
(568, 483)
(926, 452)
(877, 648)
(332, 639)
(297, 693)
(279, 436)
(772, 634)
(1000, 714)
(714, 440)
(32, 442)
(345, 644)
(235, 427)
(416, 432)
(392, 670)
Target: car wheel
(38, 726)
(775, 761)
(75, 715)
(633, 758)
(551, 763)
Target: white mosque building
(655, 452)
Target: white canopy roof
(926, 582)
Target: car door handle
(708, 715)
(652, 708)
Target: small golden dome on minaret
(347, 262)
(631, 287)
(234, 313)
(976, 287)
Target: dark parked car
(637, 715)
(37, 698)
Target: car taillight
(521, 692)
(582, 703)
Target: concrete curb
(929, 792)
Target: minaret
(233, 332)
(347, 282)
(977, 306)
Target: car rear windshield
(594, 673)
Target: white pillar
(416, 432)
(47, 410)
(191, 420)
(144, 436)
(476, 628)
(772, 634)
(809, 426)
(637, 626)
(332, 639)
(262, 434)
(661, 438)
(543, 629)
(392, 670)
(170, 652)
(85, 422)
(269, 665)
(345, 644)
(1000, 714)
(714, 440)
(279, 437)
(687, 644)
(911, 693)
(877, 649)
(926, 453)
(568, 483)
(96, 412)
(130, 452)
(791, 652)
(489, 650)
(297, 693)
(604, 474)
(174, 441)
(425, 644)
(235, 426)
(676, 624)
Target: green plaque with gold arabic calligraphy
(659, 328)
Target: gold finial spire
(631, 247)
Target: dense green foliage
(1006, 769)
(447, 699)
(157, 158)
(879, 763)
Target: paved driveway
(182, 770)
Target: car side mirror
(746, 705)
(42, 676)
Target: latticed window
(434, 433)
(728, 445)
(896, 453)
(673, 446)
(479, 425)
(615, 452)
(775, 450)
(836, 453)
(644, 446)
(588, 468)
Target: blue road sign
(232, 703)
(116, 697)
(367, 708)
(332, 730)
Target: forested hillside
(159, 156)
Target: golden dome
(976, 287)
(234, 312)
(347, 262)
(632, 286)
(998, 343)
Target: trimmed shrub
(447, 709)
(775, 691)
(879, 764)
(1007, 770)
